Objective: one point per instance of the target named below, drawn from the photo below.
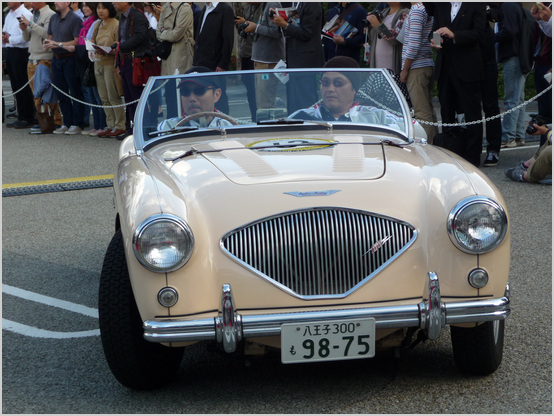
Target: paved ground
(53, 245)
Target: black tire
(135, 362)
(478, 350)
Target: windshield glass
(204, 101)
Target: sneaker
(516, 174)
(12, 115)
(88, 132)
(22, 124)
(104, 133)
(520, 142)
(511, 143)
(491, 160)
(95, 133)
(74, 130)
(61, 130)
(37, 127)
(12, 124)
(521, 165)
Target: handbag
(45, 116)
(163, 48)
(144, 68)
(89, 79)
(453, 139)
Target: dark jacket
(138, 42)
(303, 43)
(509, 31)
(494, 15)
(214, 44)
(352, 46)
(462, 53)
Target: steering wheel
(207, 113)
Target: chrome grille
(319, 252)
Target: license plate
(328, 341)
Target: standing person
(35, 32)
(176, 26)
(129, 46)
(151, 15)
(543, 57)
(304, 50)
(214, 43)
(459, 68)
(387, 52)
(16, 54)
(508, 39)
(83, 63)
(252, 13)
(63, 32)
(489, 87)
(76, 8)
(105, 33)
(354, 14)
(417, 66)
(267, 50)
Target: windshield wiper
(174, 130)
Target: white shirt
(546, 27)
(454, 9)
(209, 8)
(152, 20)
(11, 26)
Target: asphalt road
(53, 246)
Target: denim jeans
(64, 74)
(98, 114)
(513, 124)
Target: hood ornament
(378, 245)
(312, 193)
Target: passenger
(198, 95)
(338, 90)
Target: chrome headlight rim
(460, 207)
(139, 232)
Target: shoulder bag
(163, 48)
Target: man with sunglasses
(338, 92)
(198, 95)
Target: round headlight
(477, 225)
(163, 243)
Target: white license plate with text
(328, 341)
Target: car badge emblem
(312, 193)
(378, 245)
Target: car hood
(315, 159)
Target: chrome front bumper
(431, 315)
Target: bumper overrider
(431, 315)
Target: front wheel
(135, 362)
(478, 350)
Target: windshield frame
(138, 132)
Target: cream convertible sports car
(327, 228)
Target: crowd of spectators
(460, 45)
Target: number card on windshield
(328, 341)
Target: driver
(338, 90)
(198, 95)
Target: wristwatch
(60, 44)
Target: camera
(375, 13)
(241, 27)
(272, 14)
(538, 120)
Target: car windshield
(228, 100)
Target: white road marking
(31, 331)
(47, 300)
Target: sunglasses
(186, 92)
(337, 83)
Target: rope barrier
(438, 124)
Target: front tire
(478, 350)
(135, 362)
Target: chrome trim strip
(369, 228)
(166, 330)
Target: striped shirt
(416, 38)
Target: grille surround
(318, 253)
